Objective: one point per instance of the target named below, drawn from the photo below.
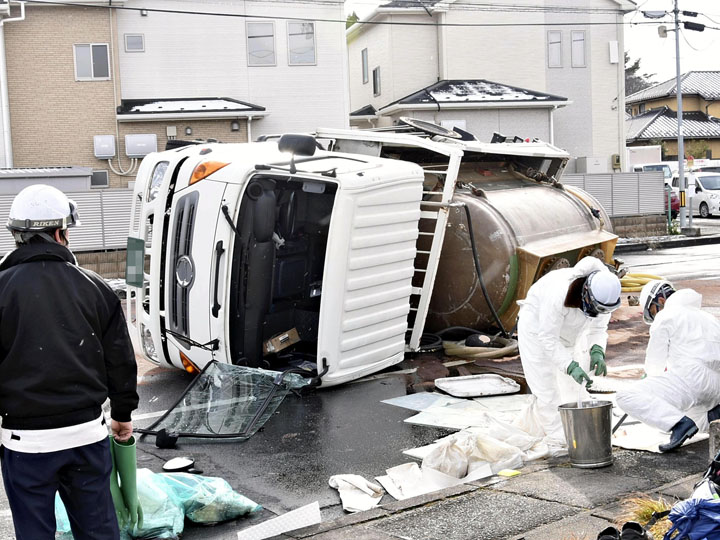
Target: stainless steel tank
(522, 229)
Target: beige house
(151, 71)
(654, 115)
(573, 54)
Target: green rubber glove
(126, 463)
(577, 373)
(120, 509)
(597, 360)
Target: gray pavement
(548, 501)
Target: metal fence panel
(623, 194)
(104, 214)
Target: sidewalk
(709, 234)
(550, 500)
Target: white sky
(699, 51)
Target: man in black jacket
(64, 349)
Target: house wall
(206, 56)
(53, 116)
(690, 103)
(483, 123)
(591, 125)
(407, 57)
(506, 54)
(508, 51)
(670, 148)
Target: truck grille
(183, 227)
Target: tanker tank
(522, 228)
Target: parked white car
(703, 191)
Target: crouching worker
(64, 349)
(562, 335)
(682, 389)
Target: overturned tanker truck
(339, 250)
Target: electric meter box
(139, 146)
(104, 146)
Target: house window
(134, 43)
(99, 179)
(641, 108)
(92, 62)
(578, 48)
(261, 43)
(376, 81)
(364, 56)
(554, 48)
(301, 43)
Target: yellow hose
(635, 282)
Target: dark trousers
(81, 476)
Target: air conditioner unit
(139, 146)
(104, 146)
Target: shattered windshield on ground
(228, 402)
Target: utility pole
(680, 142)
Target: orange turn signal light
(188, 364)
(205, 169)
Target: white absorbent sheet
(356, 493)
(411, 480)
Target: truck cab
(254, 255)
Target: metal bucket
(587, 431)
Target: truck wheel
(704, 211)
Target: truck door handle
(218, 253)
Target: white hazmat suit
(550, 337)
(683, 366)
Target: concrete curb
(664, 243)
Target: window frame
(92, 66)
(560, 51)
(247, 43)
(107, 178)
(365, 66)
(573, 62)
(314, 44)
(377, 87)
(125, 39)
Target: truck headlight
(148, 343)
(156, 180)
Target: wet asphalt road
(338, 430)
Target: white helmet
(601, 293)
(40, 208)
(651, 294)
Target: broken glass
(227, 402)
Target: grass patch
(640, 508)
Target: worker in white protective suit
(562, 335)
(682, 389)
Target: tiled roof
(705, 84)
(367, 110)
(662, 124)
(473, 91)
(184, 105)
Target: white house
(230, 70)
(570, 58)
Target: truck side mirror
(698, 189)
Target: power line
(343, 21)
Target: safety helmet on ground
(600, 293)
(650, 296)
(39, 209)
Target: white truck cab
(240, 250)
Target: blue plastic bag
(695, 519)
